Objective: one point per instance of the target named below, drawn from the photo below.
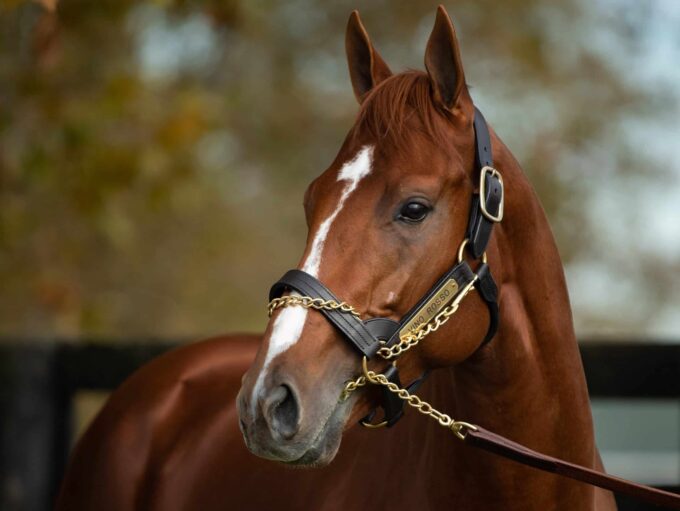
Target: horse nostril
(282, 412)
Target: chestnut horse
(384, 223)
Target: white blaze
(291, 320)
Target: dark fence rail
(38, 383)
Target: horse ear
(366, 67)
(443, 62)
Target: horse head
(385, 221)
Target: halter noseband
(390, 338)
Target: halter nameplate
(445, 294)
(444, 291)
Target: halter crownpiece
(388, 338)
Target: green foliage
(153, 155)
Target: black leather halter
(368, 336)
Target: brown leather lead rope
(481, 438)
(497, 444)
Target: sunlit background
(154, 155)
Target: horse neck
(528, 383)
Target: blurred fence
(39, 383)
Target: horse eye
(413, 212)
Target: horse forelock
(386, 109)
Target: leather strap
(479, 226)
(483, 153)
(501, 446)
(488, 290)
(381, 328)
(352, 327)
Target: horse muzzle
(276, 426)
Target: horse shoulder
(124, 452)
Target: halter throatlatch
(389, 338)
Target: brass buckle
(373, 426)
(482, 194)
(460, 429)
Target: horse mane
(388, 106)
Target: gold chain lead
(412, 338)
(459, 428)
(406, 342)
(310, 303)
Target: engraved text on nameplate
(432, 307)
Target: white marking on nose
(291, 320)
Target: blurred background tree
(154, 154)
